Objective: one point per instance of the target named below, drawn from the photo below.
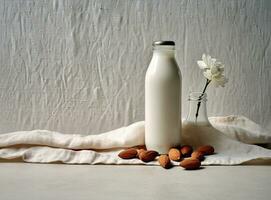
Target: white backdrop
(78, 66)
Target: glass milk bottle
(163, 99)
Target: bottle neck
(167, 51)
(197, 108)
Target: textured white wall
(79, 66)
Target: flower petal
(208, 60)
(204, 59)
(214, 69)
(219, 80)
(201, 64)
(213, 60)
(208, 74)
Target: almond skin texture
(139, 151)
(206, 150)
(197, 155)
(174, 154)
(128, 153)
(148, 156)
(164, 161)
(190, 164)
(186, 150)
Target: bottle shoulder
(163, 67)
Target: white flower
(213, 70)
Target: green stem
(199, 100)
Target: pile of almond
(188, 158)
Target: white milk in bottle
(163, 99)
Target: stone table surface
(78, 182)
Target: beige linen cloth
(232, 139)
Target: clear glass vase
(197, 109)
(196, 123)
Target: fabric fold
(232, 137)
(132, 135)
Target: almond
(186, 150)
(139, 151)
(174, 154)
(147, 156)
(206, 150)
(197, 155)
(164, 161)
(128, 153)
(190, 164)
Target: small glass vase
(197, 109)
(197, 120)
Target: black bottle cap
(164, 43)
